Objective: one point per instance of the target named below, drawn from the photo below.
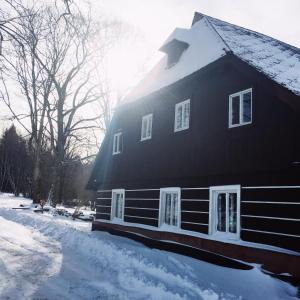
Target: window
(146, 132)
(182, 115)
(118, 143)
(240, 108)
(170, 207)
(225, 211)
(117, 204)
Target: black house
(206, 150)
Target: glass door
(224, 213)
(170, 207)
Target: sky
(156, 19)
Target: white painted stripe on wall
(140, 217)
(196, 212)
(272, 187)
(193, 223)
(195, 200)
(152, 199)
(272, 218)
(269, 232)
(141, 190)
(272, 202)
(141, 208)
(197, 188)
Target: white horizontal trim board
(207, 188)
(195, 200)
(271, 202)
(140, 217)
(196, 212)
(269, 232)
(103, 205)
(193, 223)
(100, 198)
(272, 218)
(141, 190)
(97, 213)
(272, 187)
(146, 208)
(143, 199)
(196, 188)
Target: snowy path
(43, 257)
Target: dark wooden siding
(209, 153)
(103, 205)
(271, 216)
(195, 210)
(142, 207)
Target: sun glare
(127, 62)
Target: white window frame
(113, 204)
(162, 206)
(213, 210)
(183, 126)
(117, 143)
(240, 94)
(148, 128)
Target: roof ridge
(216, 31)
(209, 18)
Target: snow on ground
(47, 257)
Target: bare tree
(34, 82)
(54, 61)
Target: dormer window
(174, 50)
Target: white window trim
(240, 94)
(115, 138)
(175, 120)
(112, 207)
(147, 117)
(212, 209)
(161, 212)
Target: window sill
(146, 139)
(117, 153)
(223, 236)
(239, 125)
(181, 129)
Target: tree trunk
(36, 184)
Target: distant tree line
(17, 168)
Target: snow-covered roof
(276, 59)
(208, 40)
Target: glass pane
(175, 210)
(221, 211)
(116, 205)
(232, 212)
(168, 209)
(186, 117)
(247, 107)
(115, 144)
(149, 127)
(120, 144)
(144, 127)
(235, 110)
(179, 117)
